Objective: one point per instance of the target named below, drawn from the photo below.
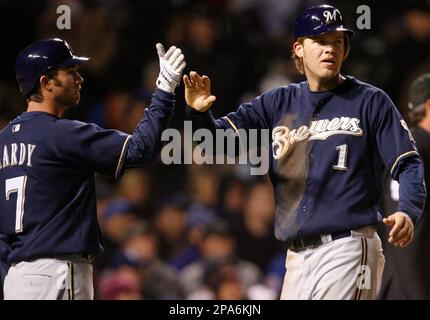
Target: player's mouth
(330, 62)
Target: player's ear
(298, 49)
(427, 107)
(45, 83)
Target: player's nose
(330, 49)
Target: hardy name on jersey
(16, 154)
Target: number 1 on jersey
(341, 162)
(17, 185)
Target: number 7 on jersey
(17, 185)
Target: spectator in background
(217, 247)
(203, 189)
(254, 234)
(232, 197)
(208, 49)
(136, 186)
(156, 278)
(116, 220)
(122, 282)
(222, 282)
(171, 225)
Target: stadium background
(188, 231)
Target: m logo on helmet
(332, 16)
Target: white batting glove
(172, 63)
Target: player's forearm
(205, 120)
(145, 143)
(412, 192)
(202, 120)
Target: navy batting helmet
(321, 19)
(41, 57)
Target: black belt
(86, 256)
(314, 241)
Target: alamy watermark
(64, 21)
(224, 146)
(364, 20)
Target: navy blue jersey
(47, 166)
(328, 150)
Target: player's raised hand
(198, 92)
(172, 64)
(402, 229)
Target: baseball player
(406, 273)
(331, 135)
(48, 224)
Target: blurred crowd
(190, 231)
(213, 240)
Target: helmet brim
(334, 29)
(341, 28)
(74, 60)
(318, 31)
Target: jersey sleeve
(145, 143)
(397, 148)
(109, 151)
(412, 188)
(256, 114)
(90, 146)
(394, 140)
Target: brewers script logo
(283, 137)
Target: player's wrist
(406, 212)
(165, 88)
(163, 85)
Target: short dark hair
(419, 93)
(416, 114)
(419, 90)
(36, 94)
